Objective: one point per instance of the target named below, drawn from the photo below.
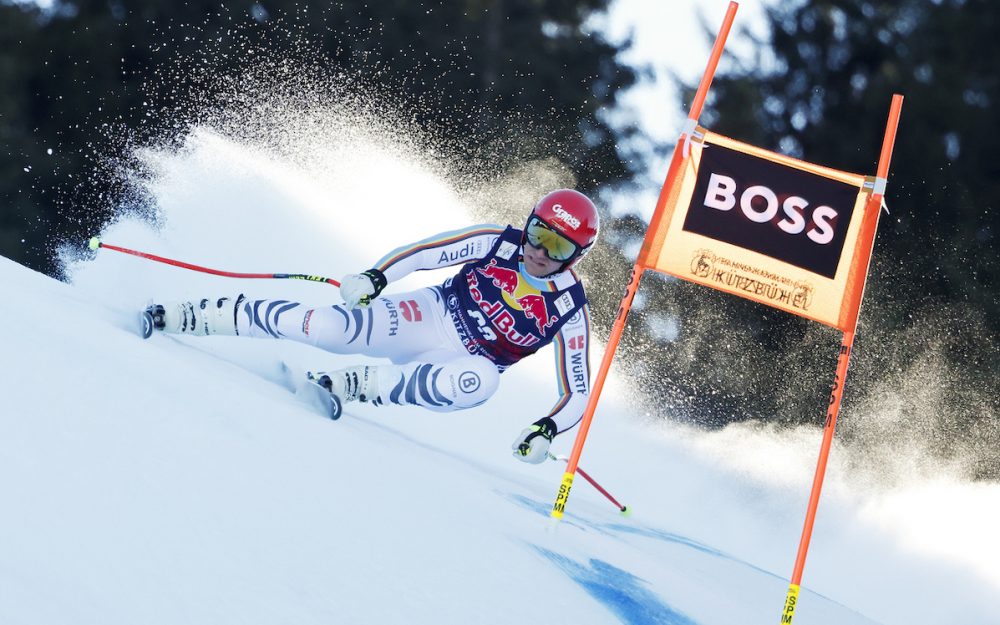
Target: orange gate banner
(767, 227)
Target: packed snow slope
(179, 480)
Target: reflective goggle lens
(556, 246)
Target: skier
(515, 293)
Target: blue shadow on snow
(620, 591)
(616, 529)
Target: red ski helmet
(565, 223)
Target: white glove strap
(538, 450)
(354, 287)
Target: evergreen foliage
(499, 78)
(819, 88)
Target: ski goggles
(556, 246)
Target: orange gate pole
(867, 240)
(633, 285)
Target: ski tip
(334, 405)
(146, 324)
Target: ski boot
(358, 383)
(201, 318)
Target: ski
(146, 324)
(150, 319)
(311, 391)
(327, 400)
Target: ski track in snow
(179, 480)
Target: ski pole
(96, 243)
(623, 510)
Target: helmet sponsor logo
(564, 215)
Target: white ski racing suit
(449, 343)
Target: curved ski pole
(623, 510)
(96, 243)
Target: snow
(179, 481)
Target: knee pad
(453, 385)
(474, 379)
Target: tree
(819, 88)
(500, 80)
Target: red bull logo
(504, 279)
(519, 295)
(534, 308)
(499, 317)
